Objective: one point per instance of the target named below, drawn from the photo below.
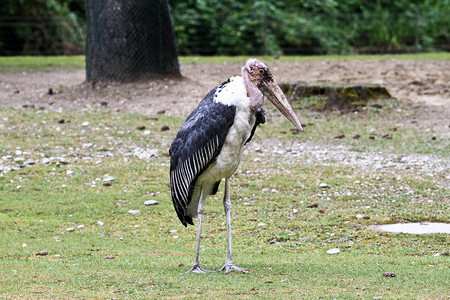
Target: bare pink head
(257, 76)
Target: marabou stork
(209, 145)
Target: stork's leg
(196, 268)
(229, 264)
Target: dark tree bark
(129, 40)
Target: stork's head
(257, 73)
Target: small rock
(50, 91)
(165, 128)
(371, 137)
(108, 178)
(340, 136)
(377, 297)
(42, 253)
(19, 159)
(161, 112)
(147, 132)
(445, 253)
(433, 138)
(180, 265)
(173, 231)
(85, 124)
(394, 129)
(141, 127)
(150, 202)
(109, 257)
(107, 183)
(70, 229)
(262, 224)
(99, 223)
(356, 136)
(360, 216)
(387, 136)
(24, 245)
(389, 274)
(104, 103)
(315, 204)
(322, 210)
(61, 121)
(323, 185)
(135, 212)
(80, 226)
(334, 251)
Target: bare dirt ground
(424, 84)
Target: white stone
(334, 251)
(108, 178)
(135, 212)
(323, 185)
(150, 202)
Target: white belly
(230, 155)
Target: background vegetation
(246, 27)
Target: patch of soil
(423, 84)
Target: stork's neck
(255, 95)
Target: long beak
(275, 95)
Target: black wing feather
(260, 115)
(197, 145)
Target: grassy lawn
(56, 204)
(43, 63)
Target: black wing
(197, 145)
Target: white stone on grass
(334, 251)
(135, 212)
(150, 202)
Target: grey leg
(196, 268)
(229, 264)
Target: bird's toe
(198, 270)
(232, 268)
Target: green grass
(287, 256)
(42, 63)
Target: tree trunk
(129, 40)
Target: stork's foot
(232, 268)
(198, 270)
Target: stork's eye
(261, 71)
